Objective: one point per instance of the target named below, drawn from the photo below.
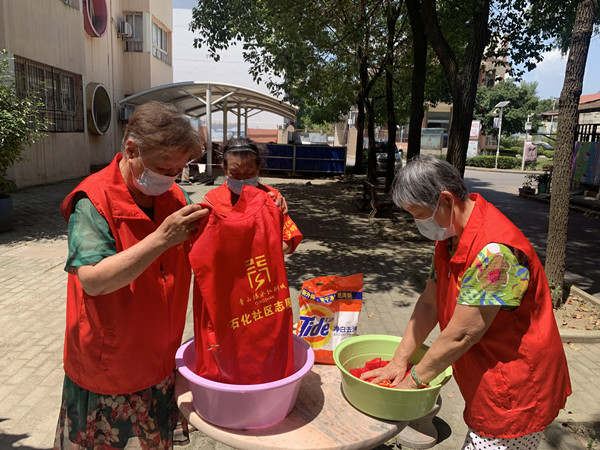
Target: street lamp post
(554, 100)
(527, 128)
(499, 105)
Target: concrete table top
(322, 419)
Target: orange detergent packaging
(329, 311)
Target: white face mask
(152, 183)
(237, 185)
(431, 229)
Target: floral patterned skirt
(145, 419)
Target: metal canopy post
(239, 120)
(224, 120)
(245, 122)
(208, 130)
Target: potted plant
(527, 187)
(543, 179)
(21, 124)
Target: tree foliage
(21, 124)
(329, 55)
(523, 100)
(299, 48)
(323, 54)
(514, 33)
(458, 32)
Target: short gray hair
(422, 181)
(160, 127)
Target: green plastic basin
(378, 401)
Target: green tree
(288, 44)
(21, 123)
(515, 33)
(325, 54)
(523, 100)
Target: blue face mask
(152, 183)
(237, 185)
(431, 229)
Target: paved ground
(338, 241)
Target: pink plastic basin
(244, 406)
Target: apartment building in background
(86, 55)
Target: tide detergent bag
(329, 311)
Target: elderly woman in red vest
(242, 161)
(488, 292)
(128, 288)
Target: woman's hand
(393, 371)
(407, 383)
(181, 225)
(280, 202)
(119, 270)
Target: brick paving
(338, 241)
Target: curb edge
(579, 336)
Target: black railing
(588, 132)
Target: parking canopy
(196, 97)
(202, 98)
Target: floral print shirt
(498, 276)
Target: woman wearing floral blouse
(488, 292)
(130, 229)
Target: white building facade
(86, 55)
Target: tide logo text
(309, 327)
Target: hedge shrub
(504, 162)
(547, 153)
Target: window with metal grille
(490, 140)
(62, 93)
(160, 42)
(136, 42)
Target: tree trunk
(458, 135)
(360, 130)
(565, 143)
(363, 102)
(391, 125)
(372, 157)
(461, 79)
(417, 97)
(392, 13)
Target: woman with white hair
(488, 292)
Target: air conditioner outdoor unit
(125, 30)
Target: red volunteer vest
(515, 380)
(242, 307)
(126, 341)
(220, 199)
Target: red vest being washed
(242, 306)
(515, 379)
(126, 341)
(220, 199)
